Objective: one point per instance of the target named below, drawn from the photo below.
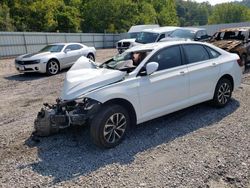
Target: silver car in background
(53, 58)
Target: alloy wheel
(224, 93)
(53, 67)
(114, 128)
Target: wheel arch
(91, 53)
(228, 77)
(127, 105)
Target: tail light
(240, 63)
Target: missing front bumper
(52, 118)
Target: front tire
(223, 92)
(110, 125)
(52, 67)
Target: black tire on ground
(223, 92)
(91, 56)
(109, 127)
(52, 67)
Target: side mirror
(67, 50)
(151, 67)
(197, 38)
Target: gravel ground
(197, 147)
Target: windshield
(230, 35)
(147, 37)
(126, 61)
(181, 33)
(52, 48)
(133, 35)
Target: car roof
(68, 43)
(139, 28)
(192, 28)
(158, 45)
(161, 29)
(235, 29)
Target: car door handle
(214, 65)
(182, 73)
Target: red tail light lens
(241, 63)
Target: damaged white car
(118, 94)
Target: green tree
(68, 17)
(191, 13)
(146, 14)
(168, 14)
(6, 23)
(115, 15)
(229, 13)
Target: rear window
(212, 52)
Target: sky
(213, 2)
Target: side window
(77, 47)
(212, 52)
(167, 58)
(74, 47)
(195, 53)
(161, 37)
(198, 34)
(203, 34)
(70, 47)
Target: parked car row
(167, 33)
(234, 40)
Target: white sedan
(117, 94)
(53, 58)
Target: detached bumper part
(53, 118)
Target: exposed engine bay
(63, 114)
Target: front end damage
(63, 114)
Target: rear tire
(91, 56)
(110, 125)
(223, 93)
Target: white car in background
(112, 97)
(53, 58)
(147, 36)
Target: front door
(165, 90)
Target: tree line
(114, 15)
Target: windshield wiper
(108, 66)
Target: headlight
(87, 103)
(37, 61)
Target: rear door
(203, 68)
(167, 89)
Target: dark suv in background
(195, 34)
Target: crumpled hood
(37, 55)
(227, 44)
(84, 77)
